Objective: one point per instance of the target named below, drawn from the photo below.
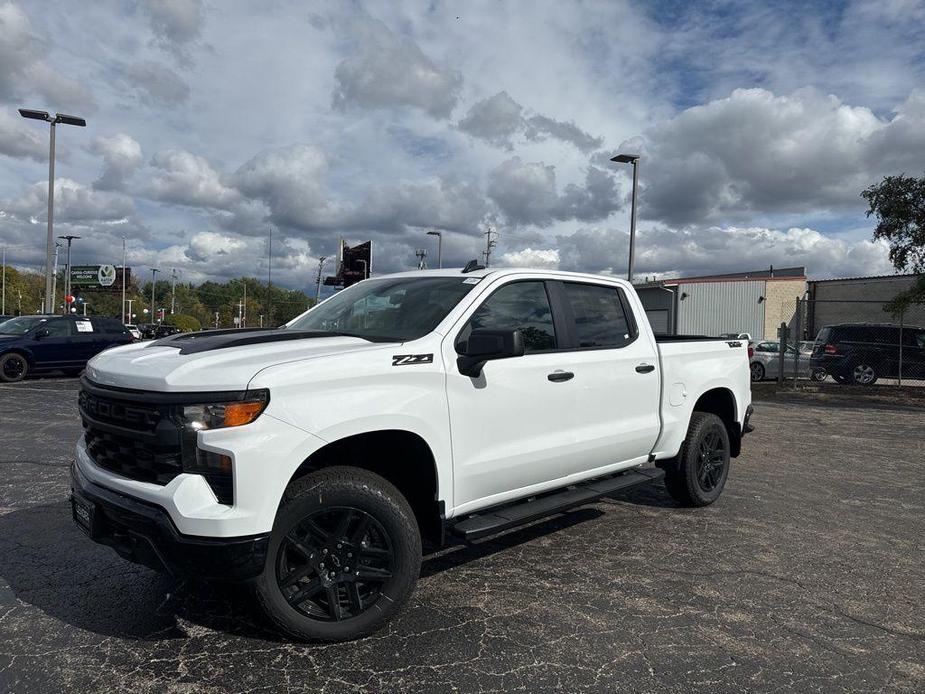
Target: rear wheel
(344, 555)
(757, 371)
(818, 374)
(13, 367)
(702, 465)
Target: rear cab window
(599, 316)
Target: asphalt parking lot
(808, 575)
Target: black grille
(131, 458)
(137, 441)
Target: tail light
(751, 351)
(830, 349)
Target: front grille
(135, 440)
(132, 458)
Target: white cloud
(542, 258)
(121, 157)
(18, 139)
(187, 179)
(711, 250)
(175, 23)
(74, 202)
(755, 152)
(157, 84)
(526, 193)
(386, 70)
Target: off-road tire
(13, 367)
(685, 480)
(309, 500)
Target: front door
(511, 426)
(54, 349)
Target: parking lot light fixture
(64, 119)
(154, 272)
(634, 160)
(67, 266)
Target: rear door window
(59, 327)
(600, 316)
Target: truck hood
(215, 360)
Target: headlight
(216, 467)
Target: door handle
(645, 368)
(559, 376)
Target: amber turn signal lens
(239, 413)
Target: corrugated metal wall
(711, 308)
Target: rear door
(616, 376)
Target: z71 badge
(408, 359)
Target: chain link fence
(849, 342)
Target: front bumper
(143, 533)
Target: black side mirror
(486, 345)
(41, 332)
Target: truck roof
(497, 272)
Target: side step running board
(504, 517)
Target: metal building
(858, 300)
(747, 302)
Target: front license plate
(83, 514)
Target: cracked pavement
(807, 575)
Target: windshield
(388, 310)
(21, 325)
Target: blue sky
(208, 122)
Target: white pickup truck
(321, 460)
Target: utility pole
(154, 272)
(269, 276)
(490, 243)
(49, 238)
(173, 290)
(421, 253)
(318, 279)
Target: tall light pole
(49, 239)
(123, 285)
(634, 160)
(54, 275)
(173, 290)
(154, 272)
(67, 268)
(439, 235)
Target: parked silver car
(765, 361)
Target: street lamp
(634, 160)
(154, 272)
(67, 266)
(49, 239)
(439, 235)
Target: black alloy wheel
(712, 461)
(13, 367)
(333, 563)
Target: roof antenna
(472, 266)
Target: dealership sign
(103, 278)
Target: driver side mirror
(487, 345)
(41, 332)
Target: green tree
(185, 323)
(898, 202)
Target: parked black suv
(55, 343)
(861, 353)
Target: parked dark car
(153, 331)
(861, 353)
(31, 344)
(5, 318)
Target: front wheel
(702, 465)
(13, 368)
(344, 556)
